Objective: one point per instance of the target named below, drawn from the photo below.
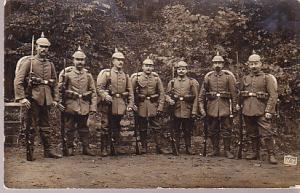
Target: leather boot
(144, 149)
(30, 135)
(227, 142)
(157, 139)
(272, 159)
(118, 145)
(87, 151)
(270, 149)
(51, 154)
(45, 137)
(104, 144)
(84, 136)
(71, 151)
(254, 154)
(189, 150)
(188, 144)
(160, 150)
(216, 149)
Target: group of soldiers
(116, 93)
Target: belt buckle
(181, 98)
(251, 94)
(80, 96)
(117, 95)
(218, 94)
(148, 98)
(46, 81)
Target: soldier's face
(255, 66)
(118, 63)
(147, 68)
(181, 71)
(79, 63)
(42, 50)
(217, 66)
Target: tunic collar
(115, 69)
(218, 74)
(182, 79)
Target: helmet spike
(79, 48)
(218, 54)
(116, 50)
(42, 35)
(253, 51)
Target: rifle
(138, 143)
(62, 115)
(29, 141)
(205, 127)
(241, 129)
(241, 121)
(172, 115)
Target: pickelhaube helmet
(218, 58)
(43, 41)
(118, 54)
(148, 61)
(254, 57)
(181, 64)
(79, 53)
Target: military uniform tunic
(184, 89)
(218, 83)
(150, 93)
(119, 85)
(79, 83)
(42, 68)
(253, 106)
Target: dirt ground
(143, 171)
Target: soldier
(259, 96)
(219, 91)
(182, 93)
(81, 101)
(35, 87)
(150, 97)
(115, 93)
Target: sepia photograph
(151, 94)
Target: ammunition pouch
(152, 98)
(259, 95)
(215, 95)
(186, 98)
(35, 81)
(74, 95)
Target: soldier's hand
(194, 116)
(108, 98)
(26, 103)
(237, 107)
(61, 107)
(129, 109)
(268, 115)
(135, 108)
(171, 102)
(92, 113)
(159, 113)
(54, 104)
(203, 113)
